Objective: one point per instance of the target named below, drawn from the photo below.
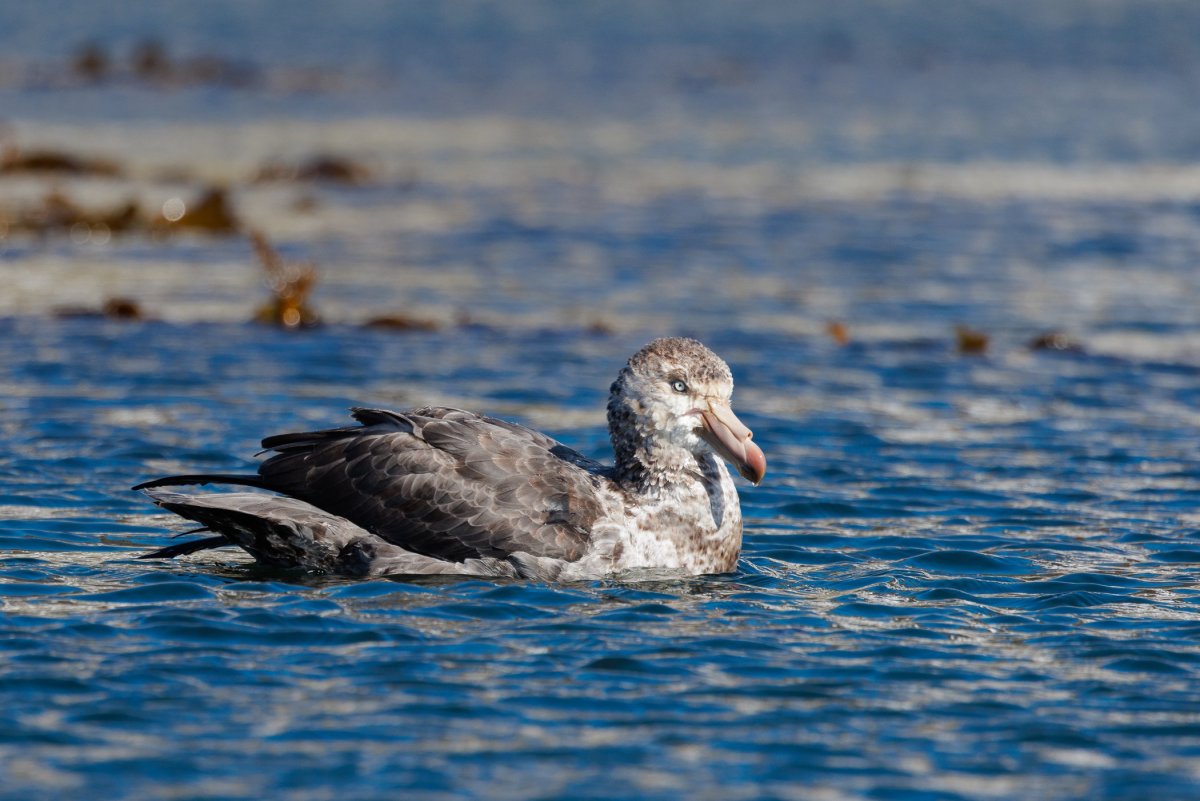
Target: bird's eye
(678, 386)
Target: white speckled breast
(691, 525)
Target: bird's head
(671, 405)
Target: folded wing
(444, 483)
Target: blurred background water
(971, 572)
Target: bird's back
(445, 483)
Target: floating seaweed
(290, 285)
(402, 322)
(58, 213)
(120, 219)
(16, 161)
(1056, 340)
(122, 309)
(151, 63)
(599, 327)
(148, 63)
(115, 308)
(323, 168)
(838, 332)
(970, 341)
(91, 63)
(211, 213)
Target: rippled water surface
(967, 576)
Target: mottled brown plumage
(439, 490)
(443, 482)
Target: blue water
(966, 577)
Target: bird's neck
(646, 464)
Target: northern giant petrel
(439, 490)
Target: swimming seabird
(440, 490)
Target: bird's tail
(200, 479)
(191, 546)
(276, 530)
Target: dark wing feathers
(191, 546)
(279, 531)
(443, 482)
(200, 480)
(367, 417)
